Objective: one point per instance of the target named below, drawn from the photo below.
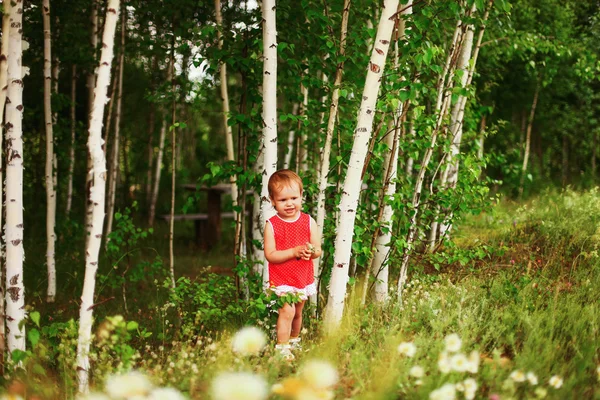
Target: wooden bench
(207, 229)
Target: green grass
(528, 303)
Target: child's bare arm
(278, 256)
(315, 240)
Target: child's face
(288, 201)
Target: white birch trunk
(352, 182)
(302, 165)
(411, 137)
(455, 126)
(3, 90)
(287, 160)
(97, 194)
(326, 152)
(379, 267)
(269, 111)
(528, 137)
(72, 144)
(90, 83)
(114, 168)
(173, 170)
(15, 254)
(257, 228)
(50, 192)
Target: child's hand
(303, 252)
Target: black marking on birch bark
(350, 211)
(12, 200)
(2, 57)
(19, 226)
(264, 198)
(9, 318)
(7, 100)
(18, 81)
(14, 154)
(112, 10)
(14, 293)
(98, 236)
(14, 279)
(267, 73)
(20, 107)
(340, 265)
(273, 45)
(7, 328)
(94, 263)
(46, 10)
(365, 97)
(379, 51)
(48, 78)
(384, 42)
(369, 111)
(374, 67)
(104, 63)
(273, 8)
(274, 140)
(8, 125)
(16, 242)
(363, 129)
(104, 46)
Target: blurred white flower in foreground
(446, 392)
(444, 363)
(131, 384)
(598, 372)
(319, 374)
(417, 371)
(407, 349)
(453, 343)
(248, 341)
(459, 362)
(238, 386)
(89, 396)
(474, 359)
(541, 392)
(533, 380)
(470, 386)
(165, 394)
(556, 382)
(517, 376)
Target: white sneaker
(285, 351)
(296, 344)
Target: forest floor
(519, 288)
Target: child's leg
(284, 323)
(297, 322)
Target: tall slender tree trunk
(72, 144)
(97, 193)
(528, 136)
(287, 160)
(114, 167)
(50, 192)
(269, 111)
(594, 151)
(173, 167)
(15, 254)
(382, 237)
(3, 91)
(455, 126)
(326, 151)
(442, 104)
(411, 136)
(159, 160)
(565, 160)
(352, 182)
(90, 83)
(302, 147)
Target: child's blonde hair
(283, 177)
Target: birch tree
(72, 144)
(90, 83)
(326, 151)
(13, 230)
(3, 90)
(536, 95)
(97, 196)
(352, 182)
(114, 167)
(269, 112)
(50, 190)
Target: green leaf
(18, 355)
(215, 169)
(35, 317)
(132, 325)
(34, 336)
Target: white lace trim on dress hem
(308, 290)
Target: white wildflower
(165, 394)
(238, 386)
(319, 374)
(446, 392)
(417, 371)
(460, 387)
(418, 382)
(598, 372)
(248, 341)
(469, 394)
(128, 385)
(407, 349)
(444, 363)
(459, 362)
(533, 380)
(453, 343)
(517, 376)
(474, 360)
(556, 382)
(470, 384)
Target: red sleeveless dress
(292, 276)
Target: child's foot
(296, 344)
(285, 352)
